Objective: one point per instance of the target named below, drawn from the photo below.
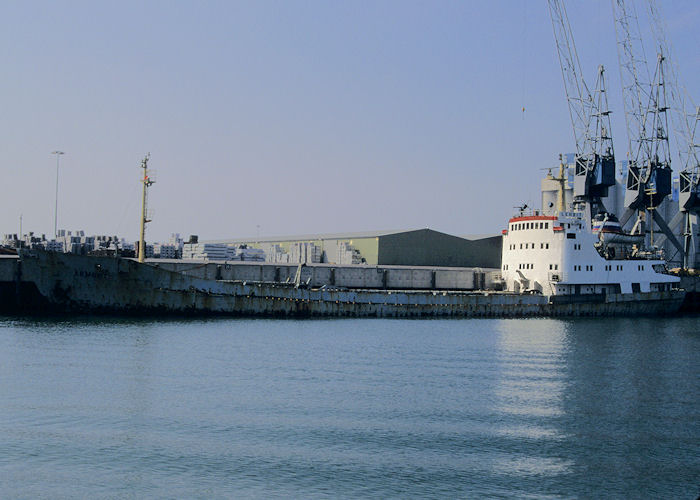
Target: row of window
(531, 246)
(555, 267)
(552, 267)
(520, 266)
(577, 246)
(618, 267)
(519, 226)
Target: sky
(295, 117)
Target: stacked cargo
(176, 241)
(165, 251)
(246, 253)
(276, 254)
(304, 252)
(206, 251)
(348, 255)
(54, 246)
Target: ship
(564, 256)
(552, 265)
(558, 264)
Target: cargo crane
(685, 116)
(649, 167)
(689, 199)
(594, 164)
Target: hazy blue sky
(297, 116)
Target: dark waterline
(103, 407)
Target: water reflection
(629, 384)
(529, 395)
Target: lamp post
(55, 212)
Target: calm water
(350, 408)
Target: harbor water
(229, 408)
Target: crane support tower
(594, 164)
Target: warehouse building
(420, 247)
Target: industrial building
(420, 247)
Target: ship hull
(65, 283)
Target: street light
(55, 212)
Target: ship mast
(562, 186)
(147, 182)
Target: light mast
(147, 182)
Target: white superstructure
(558, 255)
